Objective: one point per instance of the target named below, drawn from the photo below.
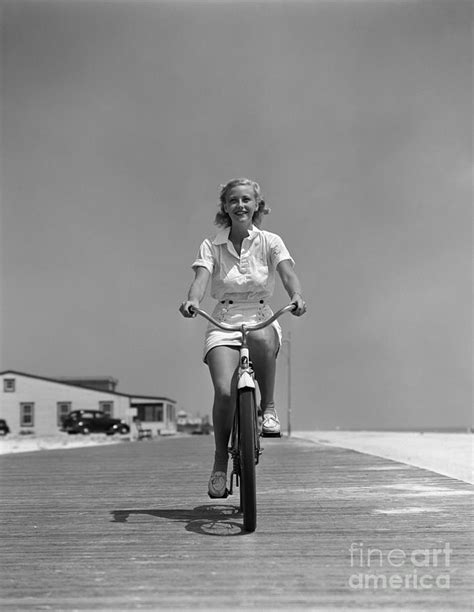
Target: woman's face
(240, 204)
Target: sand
(25, 444)
(450, 454)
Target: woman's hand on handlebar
(186, 308)
(300, 305)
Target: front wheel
(248, 450)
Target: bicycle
(244, 447)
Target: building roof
(58, 381)
(109, 379)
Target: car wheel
(124, 429)
(86, 431)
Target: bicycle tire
(247, 451)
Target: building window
(107, 408)
(64, 408)
(9, 385)
(150, 413)
(170, 412)
(27, 414)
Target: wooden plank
(130, 526)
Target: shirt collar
(223, 236)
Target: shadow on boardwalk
(209, 519)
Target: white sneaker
(217, 485)
(271, 425)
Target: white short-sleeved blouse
(249, 277)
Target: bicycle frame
(245, 418)
(245, 375)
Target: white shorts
(235, 313)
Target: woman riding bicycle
(241, 262)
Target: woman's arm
(292, 285)
(196, 292)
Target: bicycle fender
(245, 380)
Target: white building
(35, 404)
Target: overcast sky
(121, 119)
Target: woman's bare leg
(263, 345)
(223, 362)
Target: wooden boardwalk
(130, 527)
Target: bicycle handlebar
(250, 327)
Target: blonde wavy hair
(222, 218)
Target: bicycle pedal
(226, 494)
